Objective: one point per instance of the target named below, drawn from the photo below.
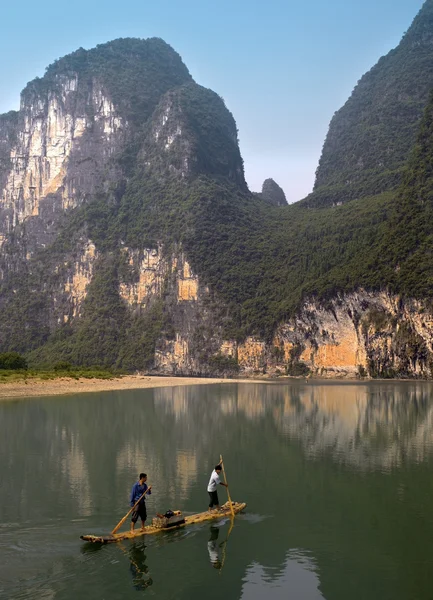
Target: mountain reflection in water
(371, 426)
(295, 579)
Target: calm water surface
(338, 481)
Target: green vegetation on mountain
(135, 73)
(107, 334)
(371, 136)
(182, 188)
(202, 137)
(260, 260)
(407, 249)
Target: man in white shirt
(212, 488)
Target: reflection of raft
(151, 529)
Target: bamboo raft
(225, 511)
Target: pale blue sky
(283, 67)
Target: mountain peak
(371, 136)
(420, 33)
(272, 193)
(117, 50)
(134, 72)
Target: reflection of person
(138, 567)
(138, 490)
(212, 548)
(212, 488)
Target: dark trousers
(139, 511)
(213, 499)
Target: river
(337, 478)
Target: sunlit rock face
(358, 334)
(79, 278)
(362, 333)
(151, 268)
(63, 139)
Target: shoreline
(68, 385)
(33, 388)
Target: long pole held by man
(228, 492)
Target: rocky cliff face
(357, 335)
(66, 142)
(97, 128)
(64, 139)
(362, 334)
(128, 238)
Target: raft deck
(151, 529)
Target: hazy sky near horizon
(282, 67)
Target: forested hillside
(371, 136)
(144, 248)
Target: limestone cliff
(89, 136)
(362, 334)
(129, 239)
(65, 137)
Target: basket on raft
(170, 519)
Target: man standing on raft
(212, 488)
(137, 491)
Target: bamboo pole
(225, 481)
(120, 523)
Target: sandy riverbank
(66, 385)
(55, 387)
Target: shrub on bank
(12, 361)
(58, 371)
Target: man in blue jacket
(137, 491)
